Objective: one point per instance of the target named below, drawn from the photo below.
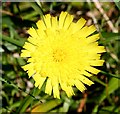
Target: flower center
(58, 55)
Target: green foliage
(18, 91)
(117, 2)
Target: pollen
(58, 55)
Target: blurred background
(18, 92)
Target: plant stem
(108, 74)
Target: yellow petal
(94, 48)
(31, 72)
(86, 73)
(41, 26)
(62, 19)
(80, 85)
(82, 32)
(86, 31)
(91, 29)
(74, 27)
(48, 88)
(92, 70)
(93, 38)
(68, 89)
(100, 49)
(48, 20)
(54, 22)
(32, 40)
(56, 92)
(96, 62)
(29, 46)
(80, 23)
(25, 53)
(68, 21)
(33, 32)
(85, 80)
(38, 80)
(28, 66)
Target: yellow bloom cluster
(63, 52)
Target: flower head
(63, 53)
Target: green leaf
(110, 75)
(27, 101)
(117, 3)
(109, 109)
(11, 40)
(21, 61)
(38, 2)
(10, 46)
(108, 36)
(94, 78)
(77, 4)
(45, 107)
(37, 8)
(6, 21)
(30, 15)
(112, 86)
(15, 105)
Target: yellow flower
(63, 53)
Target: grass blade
(112, 86)
(11, 40)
